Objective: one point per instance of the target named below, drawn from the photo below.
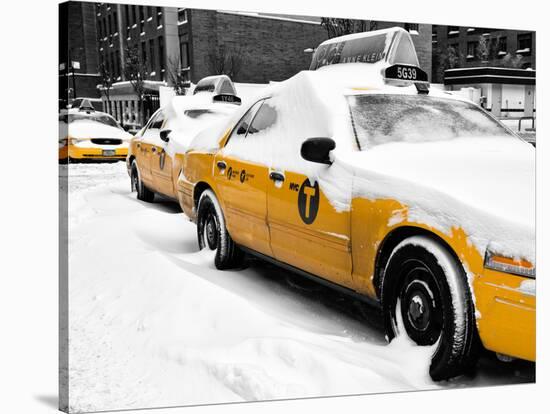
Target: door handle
(276, 176)
(221, 165)
(138, 145)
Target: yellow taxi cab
(357, 174)
(155, 155)
(87, 134)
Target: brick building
(264, 47)
(78, 52)
(466, 47)
(250, 47)
(150, 32)
(492, 67)
(193, 43)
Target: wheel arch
(200, 188)
(392, 239)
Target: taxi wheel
(143, 193)
(425, 294)
(212, 233)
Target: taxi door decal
(308, 201)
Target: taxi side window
(240, 130)
(156, 123)
(265, 118)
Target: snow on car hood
(486, 186)
(93, 129)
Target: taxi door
(145, 150)
(161, 162)
(306, 230)
(242, 185)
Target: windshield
(380, 119)
(102, 119)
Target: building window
(182, 15)
(143, 54)
(434, 33)
(412, 28)
(141, 18)
(471, 50)
(118, 72)
(161, 55)
(149, 13)
(112, 64)
(115, 23)
(128, 20)
(153, 65)
(184, 54)
(158, 15)
(502, 47)
(110, 32)
(524, 44)
(453, 31)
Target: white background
(29, 200)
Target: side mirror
(164, 134)
(317, 150)
(126, 127)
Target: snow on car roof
(188, 115)
(314, 102)
(320, 96)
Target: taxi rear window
(379, 119)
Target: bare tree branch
(106, 79)
(136, 72)
(226, 61)
(340, 27)
(178, 77)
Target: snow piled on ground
(153, 323)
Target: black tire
(426, 290)
(143, 193)
(212, 233)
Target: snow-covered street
(152, 323)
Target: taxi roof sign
(218, 84)
(391, 46)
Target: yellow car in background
(89, 135)
(154, 159)
(356, 174)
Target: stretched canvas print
(262, 206)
